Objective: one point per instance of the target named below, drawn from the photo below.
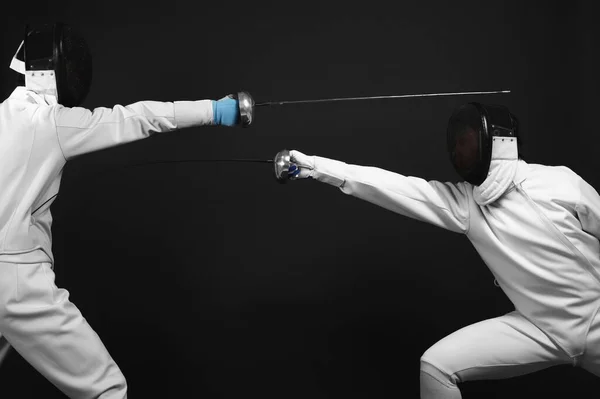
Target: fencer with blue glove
(44, 125)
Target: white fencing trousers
(44, 327)
(502, 347)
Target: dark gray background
(214, 281)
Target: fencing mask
(474, 130)
(55, 60)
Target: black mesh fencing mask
(470, 133)
(55, 59)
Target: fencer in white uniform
(536, 227)
(38, 135)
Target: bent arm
(81, 131)
(444, 205)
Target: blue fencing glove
(226, 111)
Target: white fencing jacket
(37, 138)
(540, 238)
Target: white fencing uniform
(537, 228)
(37, 138)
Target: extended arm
(445, 205)
(81, 131)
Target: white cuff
(329, 171)
(193, 113)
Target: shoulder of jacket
(559, 171)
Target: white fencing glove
(301, 166)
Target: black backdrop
(214, 281)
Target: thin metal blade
(205, 160)
(381, 97)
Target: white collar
(503, 168)
(23, 93)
